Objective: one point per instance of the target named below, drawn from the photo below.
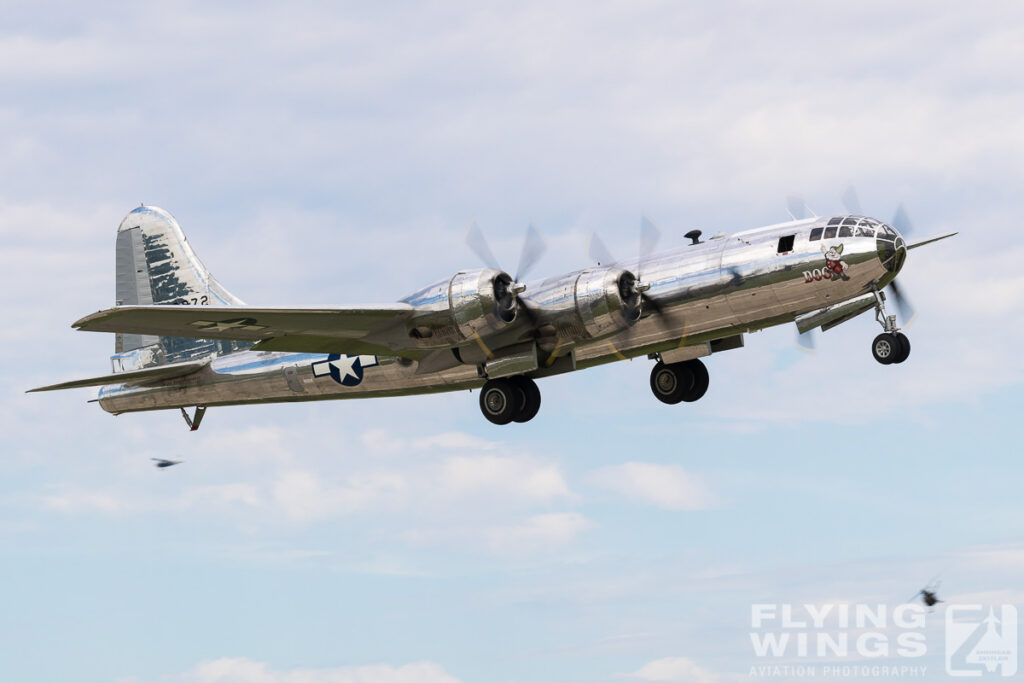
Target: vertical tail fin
(156, 265)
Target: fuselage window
(864, 232)
(846, 231)
(835, 221)
(816, 234)
(786, 243)
(830, 232)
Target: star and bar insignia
(246, 324)
(346, 370)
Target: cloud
(455, 441)
(503, 476)
(676, 669)
(73, 500)
(256, 445)
(1008, 557)
(386, 442)
(537, 533)
(241, 670)
(203, 497)
(307, 496)
(469, 496)
(304, 496)
(666, 486)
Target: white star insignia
(344, 366)
(247, 324)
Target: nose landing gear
(892, 346)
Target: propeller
(901, 222)
(599, 252)
(805, 340)
(903, 305)
(798, 208)
(851, 202)
(650, 235)
(506, 291)
(649, 238)
(533, 248)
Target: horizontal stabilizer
(331, 330)
(134, 378)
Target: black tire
(886, 348)
(531, 398)
(500, 401)
(669, 383)
(701, 380)
(904, 348)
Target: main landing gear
(892, 346)
(675, 382)
(510, 399)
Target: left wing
(377, 330)
(132, 377)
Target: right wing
(376, 330)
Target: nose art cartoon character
(834, 263)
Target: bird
(161, 462)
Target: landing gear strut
(892, 346)
(197, 417)
(510, 399)
(676, 382)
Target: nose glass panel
(891, 249)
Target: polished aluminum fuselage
(719, 288)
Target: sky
(334, 153)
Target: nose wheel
(889, 348)
(509, 399)
(892, 346)
(673, 383)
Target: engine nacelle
(585, 305)
(469, 304)
(607, 301)
(481, 302)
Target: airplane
(182, 340)
(163, 462)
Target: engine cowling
(469, 304)
(482, 302)
(607, 301)
(585, 305)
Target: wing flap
(311, 343)
(132, 378)
(330, 330)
